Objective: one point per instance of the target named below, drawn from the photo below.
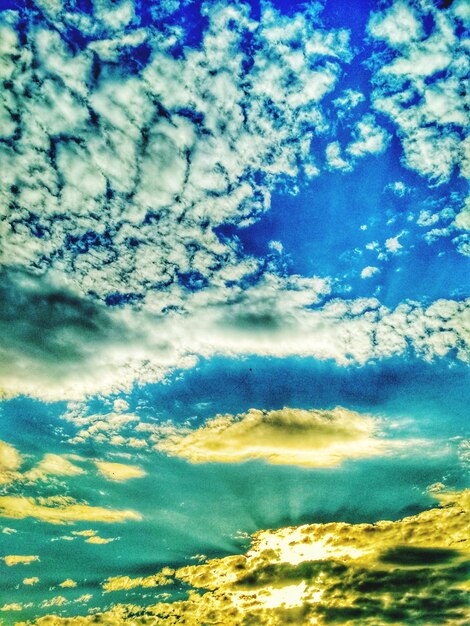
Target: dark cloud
(51, 339)
(407, 555)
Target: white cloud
(334, 158)
(369, 138)
(85, 348)
(421, 88)
(369, 271)
(392, 244)
(118, 182)
(397, 25)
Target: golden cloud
(69, 583)
(55, 601)
(61, 510)
(120, 583)
(119, 471)
(410, 571)
(99, 540)
(30, 581)
(84, 533)
(10, 462)
(53, 465)
(17, 559)
(15, 606)
(309, 438)
(50, 465)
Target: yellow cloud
(119, 471)
(55, 601)
(86, 597)
(69, 583)
(407, 571)
(84, 533)
(99, 540)
(120, 583)
(60, 510)
(30, 581)
(53, 465)
(310, 438)
(15, 606)
(16, 559)
(10, 462)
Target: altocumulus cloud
(119, 179)
(421, 88)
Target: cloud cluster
(85, 348)
(54, 465)
(368, 138)
(117, 179)
(409, 571)
(421, 88)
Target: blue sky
(234, 321)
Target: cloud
(335, 159)
(310, 438)
(15, 606)
(117, 181)
(85, 348)
(69, 583)
(55, 601)
(411, 570)
(100, 541)
(61, 510)
(420, 88)
(15, 559)
(369, 138)
(167, 153)
(75, 335)
(31, 581)
(369, 271)
(119, 471)
(53, 465)
(10, 462)
(399, 25)
(120, 583)
(104, 428)
(84, 533)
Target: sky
(234, 312)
